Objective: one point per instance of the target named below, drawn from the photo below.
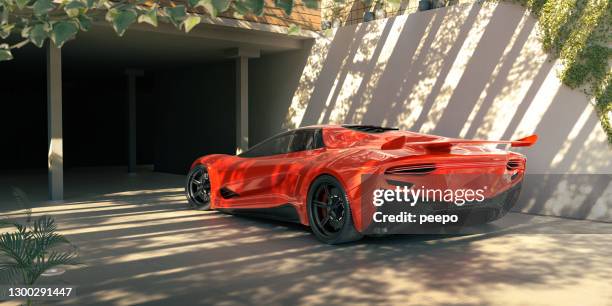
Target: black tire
(329, 212)
(197, 188)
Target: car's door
(270, 171)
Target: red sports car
(315, 175)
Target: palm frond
(20, 227)
(31, 250)
(44, 224)
(50, 240)
(55, 259)
(21, 250)
(10, 273)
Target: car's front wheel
(197, 188)
(329, 212)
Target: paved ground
(140, 245)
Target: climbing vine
(578, 32)
(35, 21)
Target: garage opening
(185, 89)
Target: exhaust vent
(513, 164)
(227, 194)
(420, 169)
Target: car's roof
(344, 136)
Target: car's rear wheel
(329, 212)
(197, 188)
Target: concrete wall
(272, 82)
(195, 114)
(473, 71)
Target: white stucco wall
(470, 71)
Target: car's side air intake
(418, 169)
(513, 164)
(227, 193)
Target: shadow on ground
(145, 247)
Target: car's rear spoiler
(445, 145)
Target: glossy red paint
(273, 181)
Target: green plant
(579, 33)
(60, 21)
(35, 247)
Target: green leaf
(21, 3)
(313, 4)
(294, 29)
(62, 32)
(190, 22)
(221, 5)
(121, 19)
(75, 4)
(254, 6)
(42, 7)
(149, 17)
(240, 8)
(176, 14)
(193, 3)
(38, 34)
(101, 4)
(207, 4)
(4, 15)
(286, 5)
(5, 53)
(9, 273)
(74, 8)
(5, 30)
(84, 22)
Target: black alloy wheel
(197, 188)
(329, 212)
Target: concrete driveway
(141, 245)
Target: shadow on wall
(473, 71)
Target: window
(369, 128)
(302, 140)
(294, 141)
(277, 145)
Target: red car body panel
(277, 180)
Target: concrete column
(242, 104)
(242, 56)
(55, 157)
(132, 74)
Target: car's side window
(299, 140)
(277, 145)
(302, 140)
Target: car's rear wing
(445, 145)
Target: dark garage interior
(183, 110)
(186, 92)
